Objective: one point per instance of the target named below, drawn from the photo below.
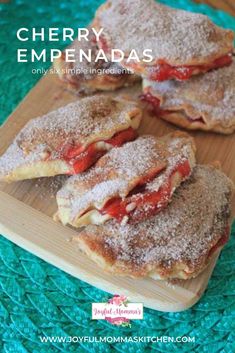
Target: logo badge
(118, 311)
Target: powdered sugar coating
(119, 171)
(81, 122)
(176, 157)
(14, 157)
(182, 233)
(77, 121)
(114, 174)
(211, 96)
(176, 36)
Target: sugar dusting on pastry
(113, 174)
(119, 171)
(183, 233)
(14, 157)
(171, 34)
(211, 96)
(179, 152)
(78, 122)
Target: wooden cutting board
(225, 5)
(26, 207)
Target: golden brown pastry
(70, 139)
(92, 75)
(176, 243)
(130, 183)
(204, 102)
(181, 43)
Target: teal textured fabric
(36, 298)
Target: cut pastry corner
(148, 250)
(40, 150)
(123, 199)
(204, 102)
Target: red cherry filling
(155, 103)
(81, 158)
(146, 203)
(163, 71)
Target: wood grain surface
(225, 5)
(26, 207)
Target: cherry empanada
(160, 42)
(70, 139)
(130, 183)
(204, 102)
(177, 243)
(90, 74)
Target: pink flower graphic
(118, 300)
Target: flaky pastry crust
(95, 75)
(176, 243)
(175, 37)
(205, 102)
(117, 174)
(38, 149)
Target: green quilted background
(37, 298)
